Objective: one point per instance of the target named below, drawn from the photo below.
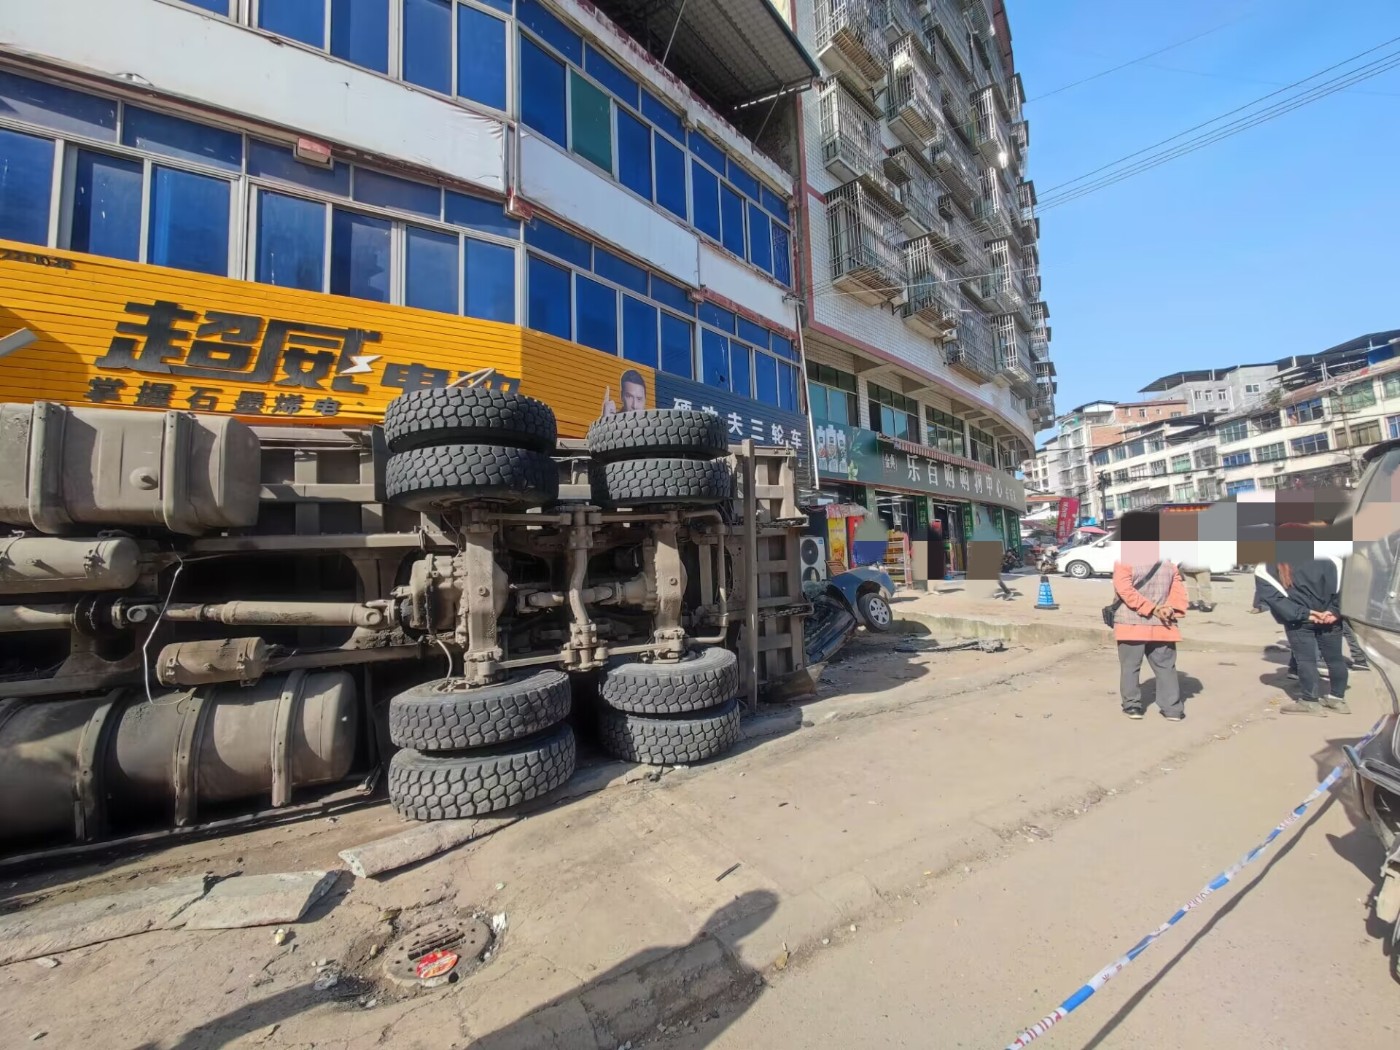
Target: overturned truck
(204, 623)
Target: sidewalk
(974, 609)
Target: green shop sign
(863, 457)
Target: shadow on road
(1191, 686)
(649, 987)
(1142, 993)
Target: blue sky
(1280, 240)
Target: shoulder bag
(1109, 611)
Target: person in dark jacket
(1306, 599)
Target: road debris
(727, 872)
(48, 962)
(280, 936)
(419, 843)
(259, 900)
(326, 982)
(780, 963)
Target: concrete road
(1281, 958)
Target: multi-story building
(1232, 389)
(1170, 460)
(303, 209)
(926, 337)
(1066, 462)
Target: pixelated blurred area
(984, 560)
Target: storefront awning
(732, 51)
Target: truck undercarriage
(204, 622)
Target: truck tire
(676, 741)
(677, 432)
(639, 482)
(429, 479)
(466, 415)
(435, 716)
(700, 680)
(475, 783)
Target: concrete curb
(1050, 633)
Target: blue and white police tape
(1093, 984)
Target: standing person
(1150, 601)
(1198, 579)
(1306, 599)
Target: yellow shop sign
(110, 332)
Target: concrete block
(259, 900)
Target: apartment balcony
(933, 305)
(866, 258)
(959, 118)
(900, 18)
(1020, 139)
(1045, 371)
(958, 175)
(1040, 346)
(972, 352)
(994, 213)
(851, 40)
(946, 20)
(1033, 288)
(919, 195)
(913, 105)
(851, 148)
(989, 134)
(953, 240)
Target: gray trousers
(1199, 581)
(1161, 657)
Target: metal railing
(865, 243)
(850, 134)
(946, 19)
(900, 18)
(850, 38)
(933, 301)
(913, 105)
(973, 350)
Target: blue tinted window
(106, 206)
(787, 387)
(714, 359)
(596, 324)
(550, 238)
(707, 151)
(672, 295)
(740, 368)
(717, 316)
(753, 333)
(267, 161)
(704, 196)
(639, 341)
(619, 271)
(773, 203)
(360, 32)
(552, 31)
(634, 154)
(386, 191)
(481, 59)
(183, 139)
(601, 69)
(760, 239)
(218, 7)
(26, 175)
(662, 115)
(303, 20)
(742, 180)
(62, 109)
(670, 178)
(782, 346)
(427, 44)
(491, 281)
(477, 214)
(506, 6)
(430, 275)
(360, 256)
(677, 347)
(291, 242)
(551, 305)
(765, 379)
(782, 256)
(189, 222)
(731, 207)
(542, 93)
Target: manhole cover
(468, 940)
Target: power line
(1143, 58)
(1222, 116)
(1251, 80)
(1313, 94)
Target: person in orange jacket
(1151, 599)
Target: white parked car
(1097, 558)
